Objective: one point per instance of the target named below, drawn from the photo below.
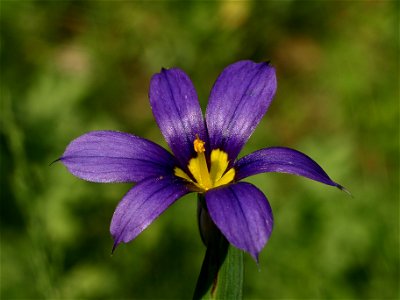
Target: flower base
(221, 275)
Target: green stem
(221, 275)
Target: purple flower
(204, 160)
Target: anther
(198, 145)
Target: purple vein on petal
(111, 156)
(238, 100)
(243, 214)
(177, 111)
(142, 205)
(282, 160)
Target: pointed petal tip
(256, 258)
(342, 188)
(255, 255)
(267, 64)
(114, 247)
(54, 161)
(166, 70)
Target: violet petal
(242, 213)
(282, 160)
(239, 99)
(111, 156)
(142, 205)
(177, 111)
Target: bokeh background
(68, 67)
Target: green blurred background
(68, 67)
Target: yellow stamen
(198, 145)
(204, 179)
(198, 166)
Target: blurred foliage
(68, 67)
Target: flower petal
(142, 205)
(239, 99)
(111, 156)
(282, 160)
(243, 214)
(176, 109)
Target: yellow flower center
(206, 179)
